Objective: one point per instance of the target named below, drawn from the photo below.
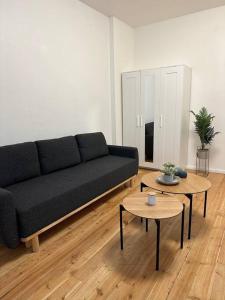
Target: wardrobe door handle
(138, 121)
(161, 121)
(141, 121)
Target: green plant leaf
(203, 126)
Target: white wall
(122, 61)
(197, 40)
(54, 70)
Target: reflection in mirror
(149, 127)
(149, 141)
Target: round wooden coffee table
(166, 207)
(189, 186)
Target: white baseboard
(192, 167)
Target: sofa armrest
(124, 151)
(8, 221)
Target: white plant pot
(203, 153)
(151, 198)
(168, 178)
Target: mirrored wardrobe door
(150, 135)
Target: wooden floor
(81, 258)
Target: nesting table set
(167, 205)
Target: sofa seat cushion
(56, 154)
(43, 200)
(92, 145)
(18, 162)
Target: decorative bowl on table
(181, 172)
(162, 180)
(171, 174)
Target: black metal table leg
(146, 225)
(121, 226)
(157, 244)
(190, 197)
(182, 228)
(205, 204)
(143, 186)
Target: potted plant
(169, 171)
(205, 130)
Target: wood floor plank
(218, 284)
(190, 282)
(81, 258)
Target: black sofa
(43, 181)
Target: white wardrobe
(156, 114)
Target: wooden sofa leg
(127, 184)
(35, 244)
(132, 181)
(28, 244)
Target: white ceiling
(142, 12)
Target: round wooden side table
(189, 186)
(166, 207)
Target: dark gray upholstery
(42, 200)
(92, 145)
(18, 162)
(31, 201)
(56, 154)
(124, 151)
(8, 221)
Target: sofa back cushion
(56, 154)
(18, 162)
(92, 145)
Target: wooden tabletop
(193, 184)
(166, 206)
